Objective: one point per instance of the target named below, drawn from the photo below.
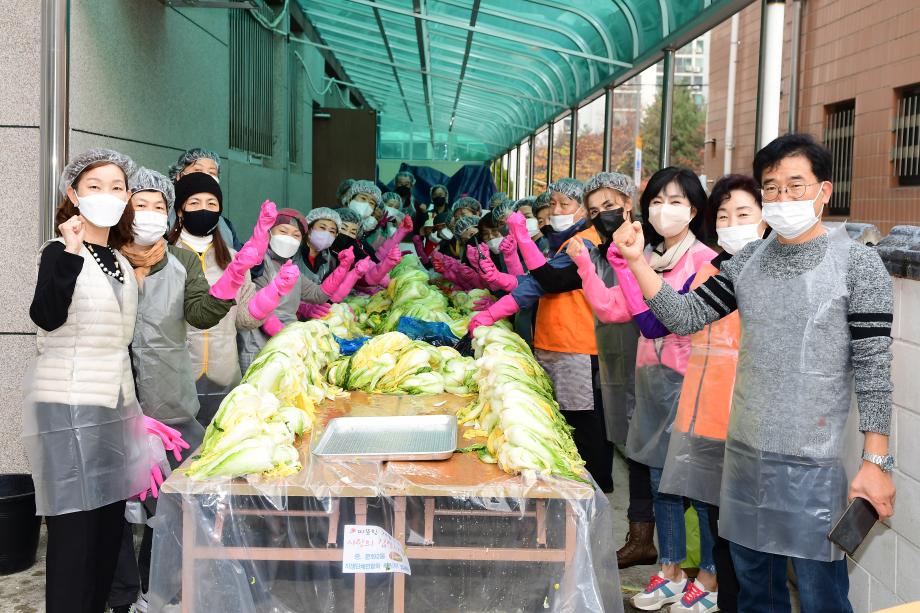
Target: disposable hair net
(87, 158)
(341, 189)
(346, 215)
(440, 187)
(405, 174)
(190, 157)
(467, 202)
(613, 180)
(391, 197)
(146, 180)
(570, 188)
(465, 223)
(501, 211)
(497, 198)
(542, 199)
(324, 213)
(362, 187)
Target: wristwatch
(885, 462)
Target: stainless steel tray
(408, 438)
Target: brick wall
(886, 569)
(851, 49)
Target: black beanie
(197, 183)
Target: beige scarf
(663, 261)
(144, 258)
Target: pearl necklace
(117, 273)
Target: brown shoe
(639, 548)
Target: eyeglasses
(796, 190)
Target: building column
(608, 131)
(55, 69)
(667, 109)
(769, 78)
(573, 141)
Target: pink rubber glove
(495, 279)
(272, 325)
(483, 303)
(635, 301)
(468, 278)
(517, 227)
(376, 274)
(156, 480)
(313, 311)
(505, 307)
(473, 256)
(420, 250)
(437, 261)
(509, 250)
(332, 282)
(171, 438)
(405, 226)
(261, 233)
(269, 297)
(349, 279)
(608, 303)
(235, 274)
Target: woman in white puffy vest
(82, 426)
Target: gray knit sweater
(869, 308)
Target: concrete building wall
(147, 80)
(851, 50)
(884, 571)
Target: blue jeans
(672, 532)
(823, 586)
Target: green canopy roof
(468, 79)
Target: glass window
(838, 138)
(589, 148)
(540, 158)
(525, 180)
(630, 102)
(562, 132)
(512, 174)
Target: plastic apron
(784, 484)
(693, 468)
(616, 356)
(84, 457)
(163, 373)
(252, 341)
(660, 366)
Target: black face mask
(607, 222)
(201, 222)
(547, 230)
(439, 201)
(403, 191)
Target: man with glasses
(816, 313)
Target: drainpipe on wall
(792, 122)
(730, 95)
(55, 72)
(770, 79)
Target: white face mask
(494, 244)
(533, 226)
(435, 237)
(734, 238)
(446, 234)
(284, 246)
(368, 224)
(791, 219)
(321, 239)
(561, 223)
(360, 207)
(149, 227)
(669, 219)
(101, 210)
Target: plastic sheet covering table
(477, 538)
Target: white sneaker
(659, 592)
(140, 605)
(697, 600)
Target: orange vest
(565, 322)
(706, 397)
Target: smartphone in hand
(853, 526)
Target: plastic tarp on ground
(473, 180)
(476, 538)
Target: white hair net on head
(362, 187)
(324, 213)
(614, 180)
(190, 157)
(570, 188)
(78, 164)
(147, 180)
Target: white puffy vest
(86, 361)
